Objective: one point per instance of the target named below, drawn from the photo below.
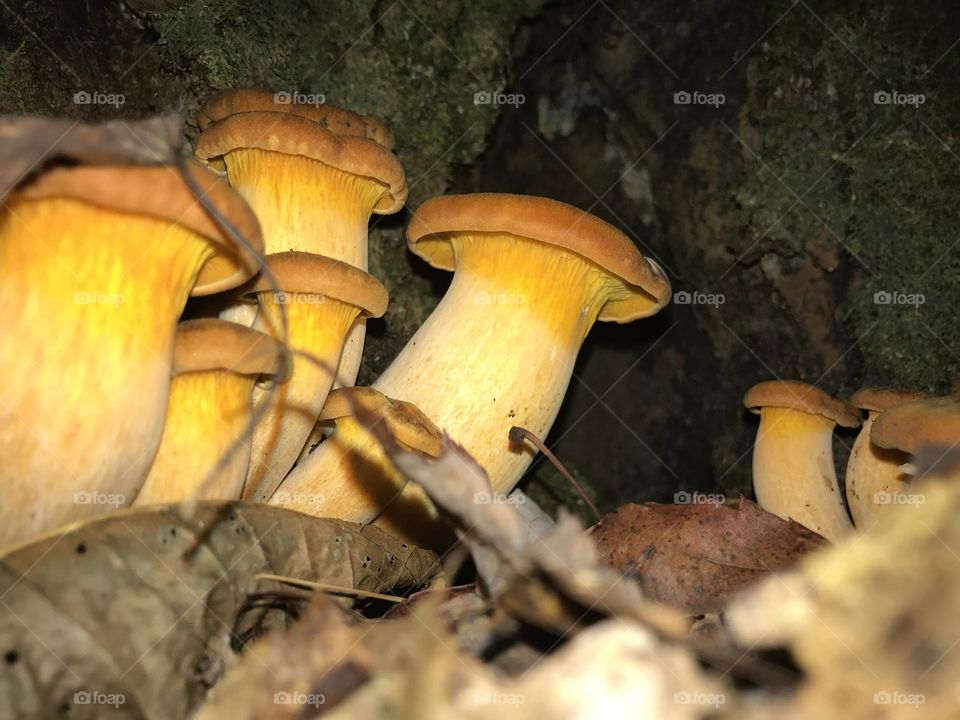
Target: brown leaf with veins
(695, 556)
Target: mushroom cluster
(794, 474)
(112, 397)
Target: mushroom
(793, 471)
(928, 427)
(337, 120)
(97, 264)
(531, 277)
(358, 482)
(312, 189)
(322, 298)
(215, 365)
(873, 472)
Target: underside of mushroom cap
(210, 344)
(546, 221)
(338, 120)
(159, 192)
(910, 425)
(294, 135)
(803, 397)
(404, 419)
(301, 272)
(878, 399)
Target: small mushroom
(313, 189)
(873, 472)
(322, 299)
(97, 264)
(531, 276)
(348, 476)
(215, 365)
(793, 471)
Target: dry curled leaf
(143, 604)
(695, 556)
(27, 142)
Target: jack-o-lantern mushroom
(207, 430)
(322, 298)
(364, 485)
(793, 472)
(531, 276)
(313, 190)
(873, 472)
(97, 263)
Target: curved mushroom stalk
(793, 470)
(207, 429)
(531, 277)
(312, 189)
(873, 477)
(350, 477)
(97, 264)
(322, 298)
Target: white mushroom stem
(874, 476)
(500, 347)
(793, 472)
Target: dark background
(798, 199)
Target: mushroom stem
(872, 473)
(500, 347)
(207, 413)
(518, 434)
(793, 472)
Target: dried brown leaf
(695, 556)
(143, 602)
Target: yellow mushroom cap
(301, 272)
(338, 120)
(546, 221)
(912, 425)
(210, 344)
(295, 135)
(158, 191)
(405, 420)
(801, 396)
